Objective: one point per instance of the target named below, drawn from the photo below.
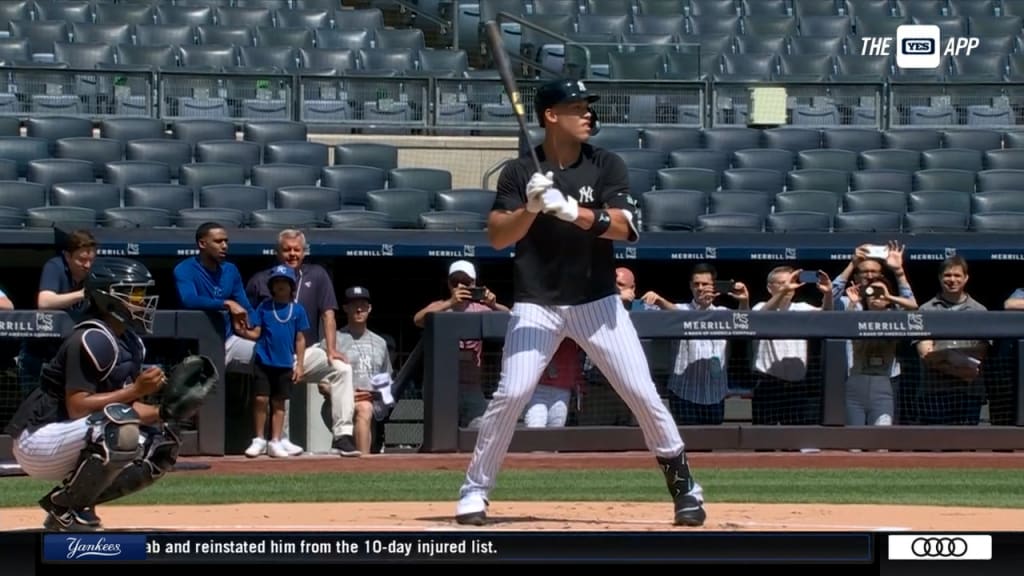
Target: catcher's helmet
(119, 287)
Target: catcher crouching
(86, 424)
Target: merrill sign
(738, 326)
(912, 325)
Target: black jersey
(91, 359)
(557, 262)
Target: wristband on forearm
(602, 222)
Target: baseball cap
(281, 271)
(357, 293)
(463, 266)
(559, 91)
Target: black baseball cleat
(65, 520)
(689, 511)
(689, 508)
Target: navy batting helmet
(564, 90)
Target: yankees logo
(939, 547)
(586, 194)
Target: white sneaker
(258, 446)
(291, 449)
(472, 509)
(277, 450)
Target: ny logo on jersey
(586, 194)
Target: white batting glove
(558, 204)
(535, 188)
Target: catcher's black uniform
(107, 454)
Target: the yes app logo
(917, 46)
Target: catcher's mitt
(187, 387)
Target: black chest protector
(117, 366)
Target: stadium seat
(22, 195)
(193, 217)
(701, 179)
(402, 205)
(882, 180)
(867, 221)
(733, 201)
(672, 209)
(875, 200)
(835, 181)
(383, 156)
(1000, 180)
(125, 13)
(940, 201)
(668, 139)
(798, 221)
(246, 199)
(314, 199)
(50, 171)
(53, 128)
(128, 172)
(997, 201)
(730, 222)
(95, 195)
(1008, 159)
(8, 169)
(303, 152)
(244, 154)
(827, 159)
(935, 222)
(359, 219)
(199, 175)
(430, 179)
(452, 220)
(1005, 222)
(97, 151)
(793, 139)
(952, 158)
(194, 131)
(852, 139)
(279, 218)
(170, 197)
(174, 153)
(769, 182)
(69, 217)
(912, 139)
(820, 201)
(775, 159)
(275, 176)
(186, 15)
(890, 159)
(128, 129)
(11, 217)
(311, 19)
(944, 179)
(353, 181)
(714, 160)
(476, 200)
(136, 217)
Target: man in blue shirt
(207, 282)
(60, 288)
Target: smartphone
(809, 277)
(877, 251)
(724, 286)
(477, 293)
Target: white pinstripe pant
(606, 334)
(52, 451)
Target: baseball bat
(509, 81)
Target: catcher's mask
(120, 287)
(565, 90)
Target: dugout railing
(443, 333)
(175, 333)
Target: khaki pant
(336, 376)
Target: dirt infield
(531, 516)
(559, 516)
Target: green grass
(974, 487)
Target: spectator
(324, 365)
(278, 327)
(371, 361)
(208, 282)
(60, 288)
(868, 265)
(869, 386)
(466, 296)
(699, 381)
(5, 302)
(952, 388)
(549, 405)
(782, 394)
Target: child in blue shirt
(277, 326)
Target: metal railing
(446, 102)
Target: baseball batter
(563, 224)
(85, 426)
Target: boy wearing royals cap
(277, 328)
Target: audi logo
(939, 547)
